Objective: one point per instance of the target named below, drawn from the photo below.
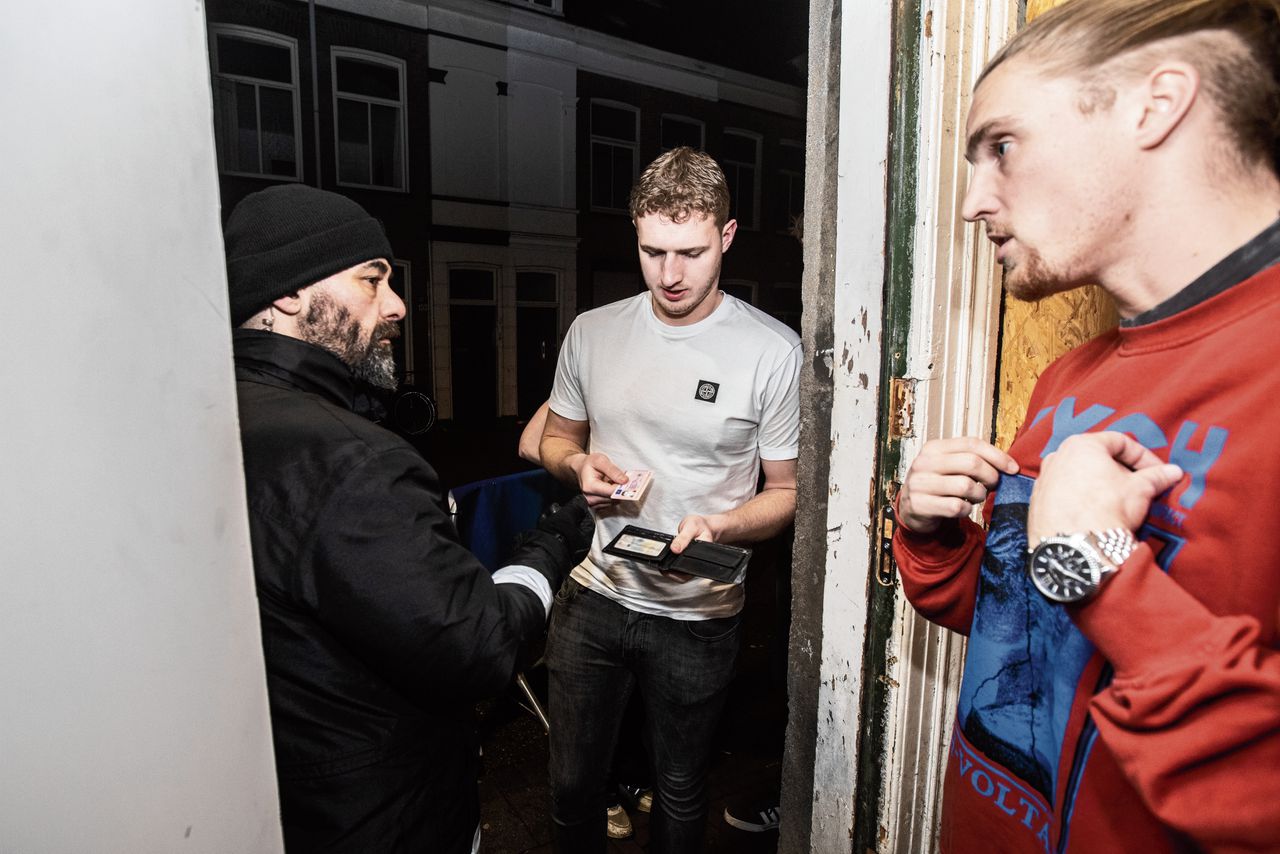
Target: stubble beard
(330, 327)
(1031, 278)
(689, 306)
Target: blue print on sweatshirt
(1067, 422)
(1024, 658)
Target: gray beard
(330, 327)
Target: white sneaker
(643, 798)
(619, 823)
(753, 819)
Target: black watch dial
(1063, 572)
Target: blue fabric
(491, 513)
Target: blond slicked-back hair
(1234, 44)
(679, 184)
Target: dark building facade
(623, 125)
(497, 140)
(358, 125)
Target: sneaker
(752, 817)
(619, 823)
(639, 797)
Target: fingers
(1096, 481)
(597, 477)
(682, 539)
(929, 488)
(1159, 477)
(967, 455)
(948, 479)
(1122, 448)
(607, 469)
(691, 528)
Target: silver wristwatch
(1071, 567)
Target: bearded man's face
(365, 347)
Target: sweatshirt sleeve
(394, 583)
(1193, 714)
(939, 571)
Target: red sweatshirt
(1148, 719)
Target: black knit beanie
(286, 237)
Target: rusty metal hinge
(902, 405)
(886, 570)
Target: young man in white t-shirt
(703, 390)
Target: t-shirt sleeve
(567, 399)
(780, 413)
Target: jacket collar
(286, 362)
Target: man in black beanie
(380, 630)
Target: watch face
(1063, 572)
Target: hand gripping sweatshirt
(1148, 719)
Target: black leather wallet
(707, 560)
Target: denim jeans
(598, 652)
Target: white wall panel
(133, 716)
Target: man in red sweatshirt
(1122, 679)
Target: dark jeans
(598, 652)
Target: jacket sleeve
(394, 583)
(940, 571)
(1193, 714)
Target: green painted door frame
(903, 162)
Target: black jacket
(380, 630)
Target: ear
(290, 304)
(726, 235)
(1168, 94)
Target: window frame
(788, 176)
(558, 274)
(594, 138)
(702, 129)
(494, 272)
(267, 37)
(758, 140)
(499, 318)
(337, 52)
(750, 284)
(407, 370)
(556, 7)
(785, 314)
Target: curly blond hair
(680, 183)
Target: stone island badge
(707, 391)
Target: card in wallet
(716, 561)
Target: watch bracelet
(1116, 544)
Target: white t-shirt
(699, 406)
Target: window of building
(790, 199)
(556, 6)
(677, 131)
(473, 342)
(741, 162)
(741, 288)
(615, 136)
(537, 336)
(370, 137)
(402, 347)
(255, 99)
(786, 304)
